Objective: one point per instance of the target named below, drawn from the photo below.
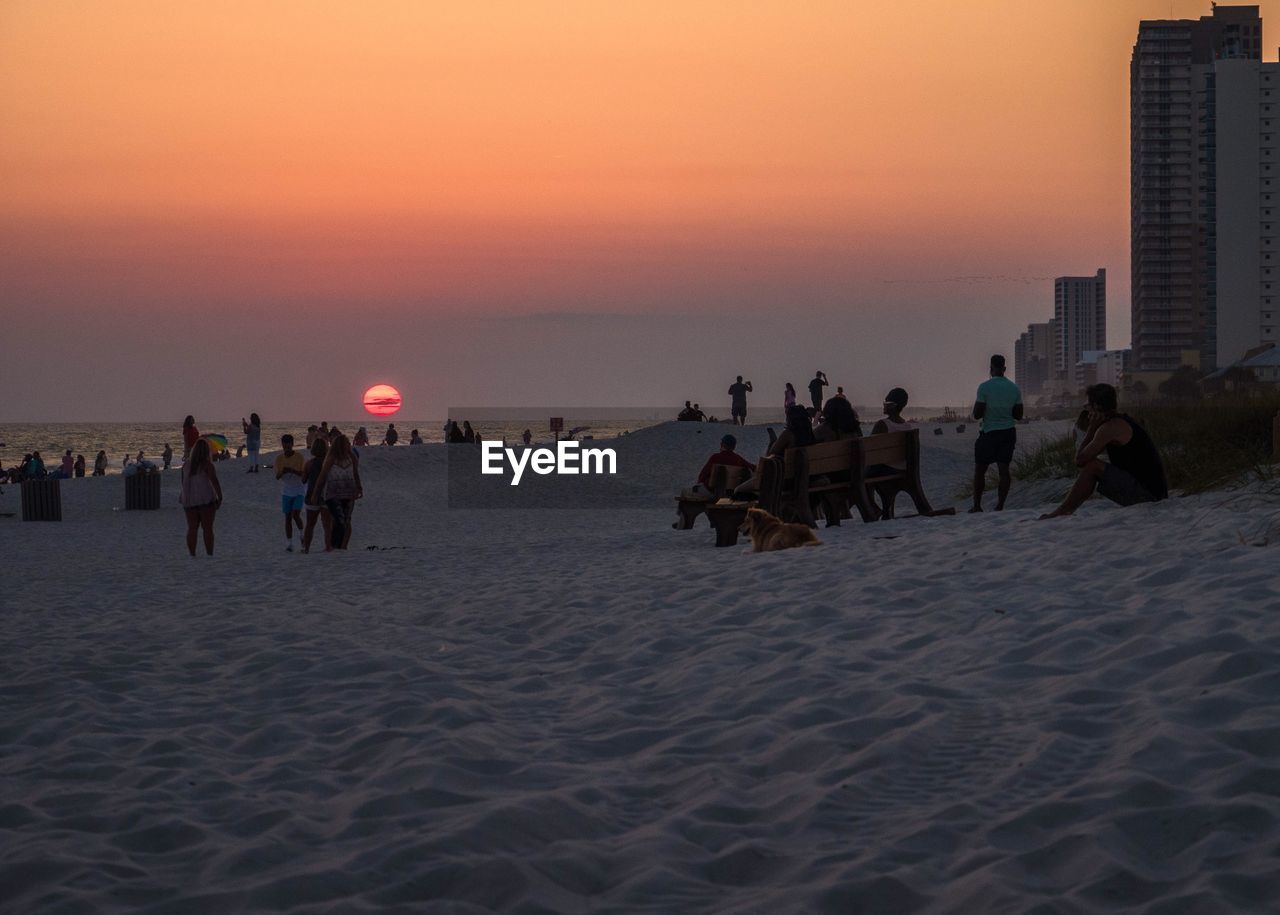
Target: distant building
(1080, 318)
(1173, 212)
(1033, 359)
(1101, 367)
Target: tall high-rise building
(1247, 205)
(1080, 319)
(1172, 181)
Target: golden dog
(770, 533)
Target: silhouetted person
(738, 408)
(815, 389)
(999, 407)
(1133, 472)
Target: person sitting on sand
(362, 438)
(698, 415)
(1133, 472)
(392, 435)
(686, 415)
(726, 455)
(415, 438)
(797, 434)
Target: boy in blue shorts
(289, 467)
(999, 407)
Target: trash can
(142, 490)
(41, 500)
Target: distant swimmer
(738, 409)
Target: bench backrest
(891, 448)
(824, 457)
(725, 477)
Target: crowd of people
(324, 482)
(1115, 456)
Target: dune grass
(1205, 444)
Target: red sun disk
(382, 400)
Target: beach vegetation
(1205, 443)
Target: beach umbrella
(216, 442)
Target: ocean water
(119, 439)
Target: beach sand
(585, 710)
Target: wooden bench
(724, 478)
(41, 500)
(889, 464)
(791, 485)
(839, 474)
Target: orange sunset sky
(526, 202)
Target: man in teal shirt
(999, 407)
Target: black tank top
(1140, 459)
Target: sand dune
(585, 710)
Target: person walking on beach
(167, 455)
(100, 464)
(190, 435)
(999, 407)
(289, 466)
(815, 389)
(1133, 472)
(252, 440)
(339, 483)
(312, 498)
(201, 495)
(738, 408)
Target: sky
(247, 206)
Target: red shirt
(722, 457)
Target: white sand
(583, 711)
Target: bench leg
(688, 510)
(726, 532)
